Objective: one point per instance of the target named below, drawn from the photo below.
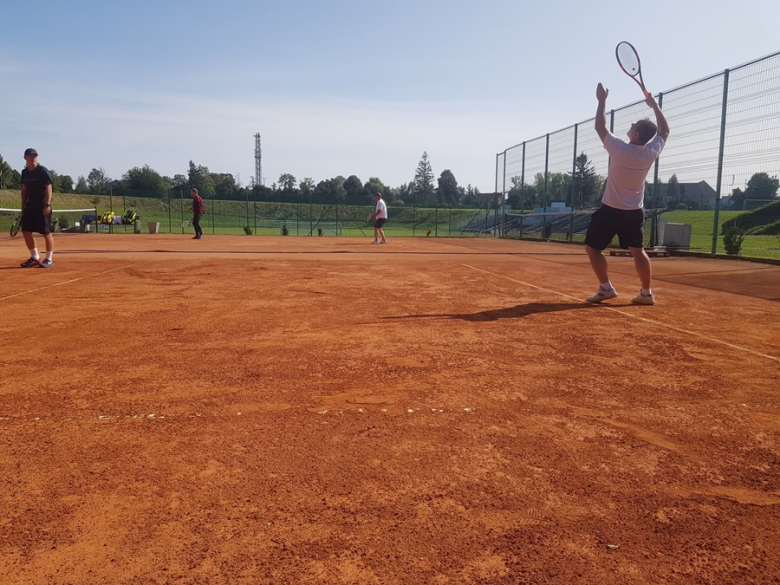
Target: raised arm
(660, 119)
(601, 120)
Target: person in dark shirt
(36, 209)
(197, 211)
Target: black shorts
(380, 222)
(608, 222)
(33, 220)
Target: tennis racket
(369, 216)
(185, 224)
(16, 226)
(629, 62)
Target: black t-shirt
(36, 181)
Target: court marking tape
(645, 319)
(27, 292)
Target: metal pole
(720, 159)
(656, 188)
(181, 195)
(522, 186)
(504, 199)
(546, 170)
(573, 168)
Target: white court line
(61, 283)
(646, 320)
(165, 417)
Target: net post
(720, 160)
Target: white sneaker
(383, 242)
(641, 299)
(375, 242)
(603, 295)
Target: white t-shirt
(381, 207)
(628, 167)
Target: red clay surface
(320, 410)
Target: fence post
(522, 187)
(720, 159)
(247, 208)
(656, 187)
(504, 199)
(181, 198)
(573, 168)
(546, 172)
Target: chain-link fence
(170, 213)
(717, 174)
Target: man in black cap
(36, 209)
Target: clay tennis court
(320, 410)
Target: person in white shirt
(622, 211)
(380, 217)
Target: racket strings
(628, 58)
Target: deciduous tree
(146, 179)
(98, 181)
(448, 192)
(761, 186)
(198, 177)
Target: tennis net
(63, 220)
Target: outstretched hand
(601, 93)
(650, 100)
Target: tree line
(144, 181)
(581, 188)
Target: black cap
(30, 151)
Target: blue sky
(338, 87)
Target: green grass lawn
(701, 236)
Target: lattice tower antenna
(258, 161)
